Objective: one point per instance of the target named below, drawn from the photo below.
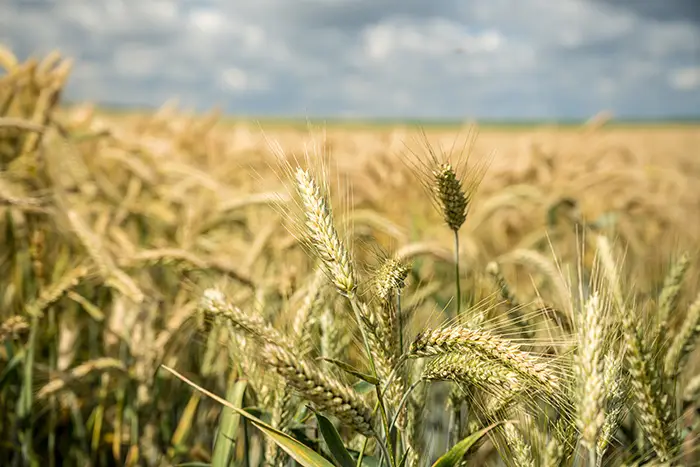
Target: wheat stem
(458, 298)
(403, 401)
(380, 400)
(399, 315)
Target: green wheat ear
(451, 196)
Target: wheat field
(182, 289)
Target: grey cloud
(445, 58)
(345, 15)
(664, 10)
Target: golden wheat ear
(326, 393)
(322, 234)
(435, 342)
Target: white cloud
(158, 9)
(238, 80)
(433, 37)
(235, 78)
(685, 79)
(206, 20)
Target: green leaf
(14, 363)
(404, 458)
(228, 426)
(605, 220)
(333, 441)
(455, 455)
(296, 450)
(555, 210)
(256, 412)
(299, 432)
(350, 369)
(363, 387)
(24, 407)
(87, 305)
(367, 461)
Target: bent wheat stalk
(335, 257)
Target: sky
(423, 59)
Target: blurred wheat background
(114, 224)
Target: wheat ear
(668, 299)
(591, 375)
(685, 340)
(327, 394)
(451, 196)
(471, 368)
(616, 390)
(213, 303)
(521, 450)
(652, 404)
(457, 338)
(323, 235)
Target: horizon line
(406, 120)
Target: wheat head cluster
(190, 290)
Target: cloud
(397, 58)
(437, 38)
(668, 10)
(685, 79)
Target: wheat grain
(616, 391)
(213, 303)
(668, 299)
(323, 235)
(522, 451)
(471, 368)
(451, 195)
(326, 393)
(390, 277)
(56, 290)
(590, 372)
(649, 402)
(455, 338)
(80, 371)
(684, 342)
(306, 314)
(13, 327)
